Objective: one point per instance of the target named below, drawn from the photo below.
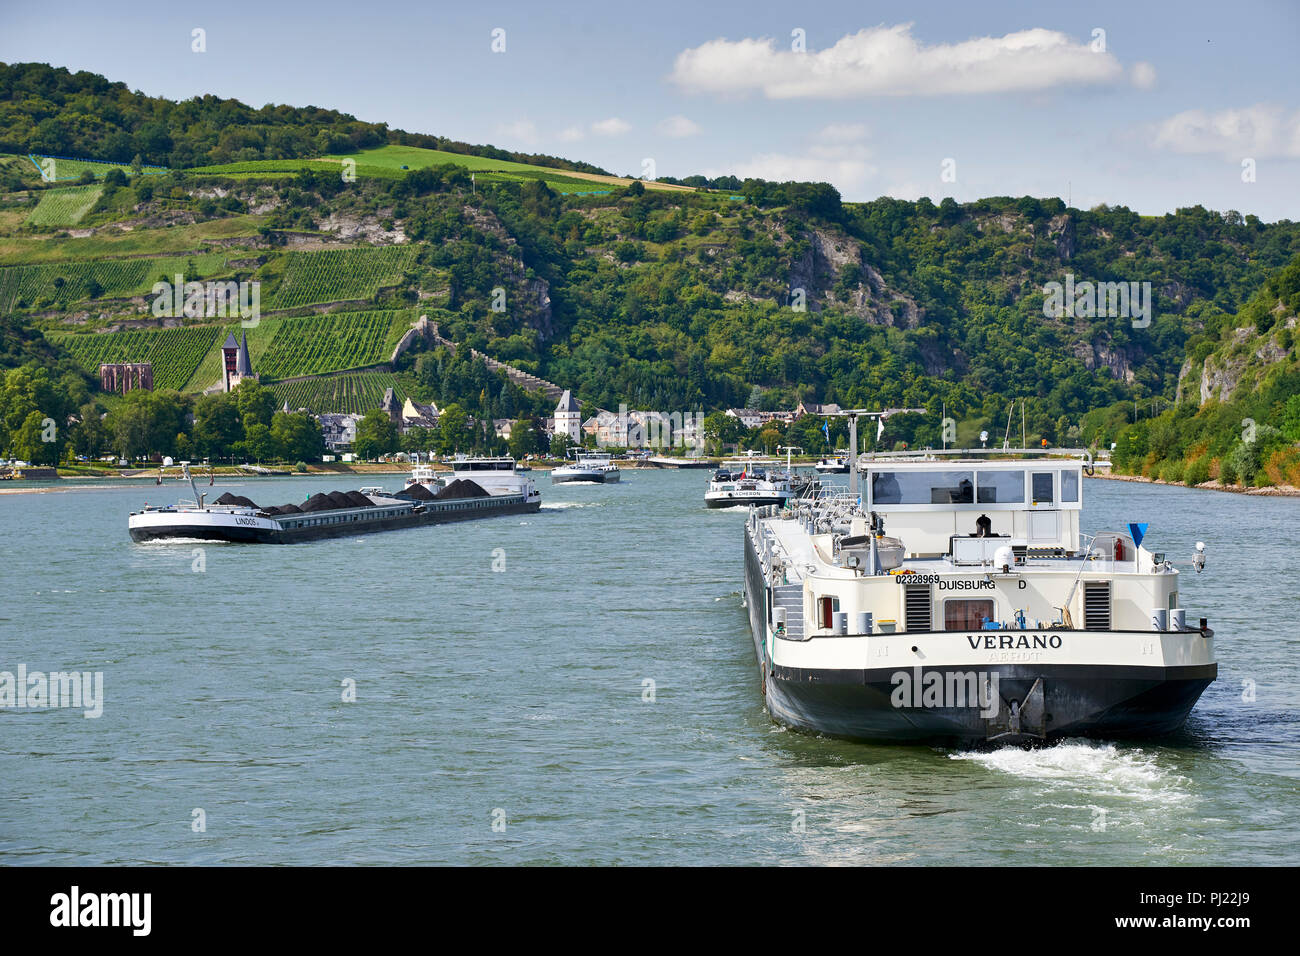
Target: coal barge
(457, 497)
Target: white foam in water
(1089, 767)
(559, 505)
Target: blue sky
(907, 99)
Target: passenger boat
(959, 602)
(476, 488)
(587, 468)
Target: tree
(524, 438)
(453, 428)
(419, 439)
(147, 423)
(376, 435)
(560, 445)
(299, 436)
(28, 389)
(216, 426)
(36, 440)
(259, 443)
(722, 429)
(256, 403)
(90, 438)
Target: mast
(853, 452)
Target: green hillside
(734, 293)
(1236, 420)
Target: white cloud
(1143, 75)
(1256, 131)
(847, 167)
(610, 127)
(677, 127)
(520, 131)
(843, 133)
(888, 61)
(909, 190)
(571, 134)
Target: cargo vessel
(475, 488)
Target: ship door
(1044, 519)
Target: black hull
(237, 535)
(733, 502)
(1058, 700)
(584, 479)
(1079, 701)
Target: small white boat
(597, 469)
(837, 464)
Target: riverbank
(1272, 491)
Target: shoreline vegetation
(1266, 491)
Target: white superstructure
(594, 468)
(973, 567)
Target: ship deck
(801, 557)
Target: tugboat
(593, 468)
(957, 602)
(477, 488)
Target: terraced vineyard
(331, 343)
(67, 282)
(334, 275)
(274, 168)
(67, 168)
(175, 353)
(64, 207)
(310, 345)
(351, 393)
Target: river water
(507, 716)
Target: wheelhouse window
(1069, 486)
(961, 614)
(1000, 487)
(923, 487)
(1042, 488)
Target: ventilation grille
(1096, 606)
(917, 606)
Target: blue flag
(1138, 531)
(826, 429)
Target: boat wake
(1088, 767)
(562, 505)
(173, 542)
